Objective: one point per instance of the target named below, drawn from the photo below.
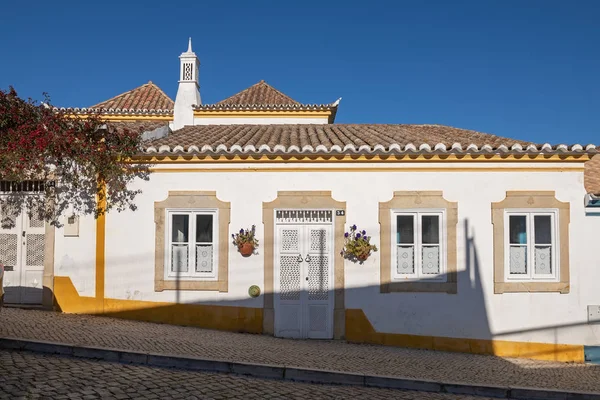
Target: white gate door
(304, 281)
(22, 253)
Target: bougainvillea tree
(69, 156)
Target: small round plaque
(254, 291)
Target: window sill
(187, 284)
(531, 287)
(419, 286)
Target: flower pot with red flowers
(357, 245)
(245, 240)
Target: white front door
(304, 281)
(22, 253)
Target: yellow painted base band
(226, 318)
(250, 320)
(360, 330)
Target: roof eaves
(379, 149)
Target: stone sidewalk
(328, 355)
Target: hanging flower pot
(357, 245)
(246, 249)
(245, 240)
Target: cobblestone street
(34, 376)
(330, 355)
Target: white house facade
(484, 244)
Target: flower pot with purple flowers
(246, 241)
(357, 245)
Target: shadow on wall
(463, 313)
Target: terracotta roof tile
(346, 139)
(260, 93)
(138, 126)
(592, 175)
(146, 97)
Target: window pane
(543, 231)
(431, 260)
(405, 231)
(405, 260)
(179, 258)
(518, 229)
(180, 228)
(204, 228)
(204, 257)
(543, 260)
(518, 260)
(431, 229)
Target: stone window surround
(303, 200)
(190, 200)
(422, 200)
(531, 200)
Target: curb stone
(282, 372)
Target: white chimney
(188, 93)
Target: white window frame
(531, 276)
(191, 274)
(418, 275)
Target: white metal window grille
(192, 244)
(187, 71)
(419, 245)
(303, 216)
(531, 245)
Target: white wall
(258, 120)
(75, 257)
(475, 312)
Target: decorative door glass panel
(289, 240)
(318, 278)
(318, 240)
(35, 249)
(35, 221)
(8, 249)
(289, 277)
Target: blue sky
(526, 69)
